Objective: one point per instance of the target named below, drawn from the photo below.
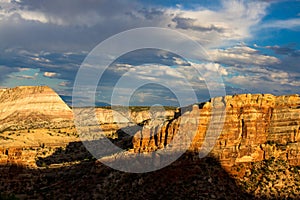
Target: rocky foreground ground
(78, 176)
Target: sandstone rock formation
(112, 120)
(40, 106)
(257, 127)
(31, 116)
(32, 106)
(258, 145)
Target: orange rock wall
(256, 127)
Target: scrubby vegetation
(272, 178)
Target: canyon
(252, 140)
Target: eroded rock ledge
(257, 127)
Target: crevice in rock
(155, 136)
(244, 130)
(166, 132)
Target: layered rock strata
(31, 116)
(26, 107)
(256, 127)
(32, 106)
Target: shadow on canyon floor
(186, 178)
(73, 173)
(77, 151)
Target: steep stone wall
(257, 127)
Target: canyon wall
(256, 127)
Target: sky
(253, 45)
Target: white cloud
(40, 59)
(183, 81)
(230, 23)
(26, 77)
(241, 55)
(23, 69)
(33, 16)
(258, 79)
(10, 9)
(259, 85)
(50, 74)
(283, 24)
(64, 83)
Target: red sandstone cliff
(257, 127)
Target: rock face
(257, 127)
(40, 107)
(121, 116)
(32, 106)
(106, 116)
(111, 120)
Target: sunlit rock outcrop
(256, 127)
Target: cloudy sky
(254, 45)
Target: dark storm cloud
(147, 56)
(285, 50)
(67, 25)
(65, 67)
(64, 64)
(151, 13)
(290, 58)
(188, 23)
(69, 10)
(50, 30)
(36, 36)
(71, 25)
(290, 64)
